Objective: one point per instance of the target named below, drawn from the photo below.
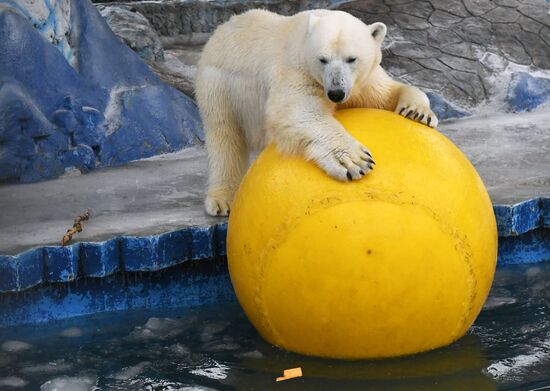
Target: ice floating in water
(534, 271)
(541, 288)
(507, 348)
(210, 329)
(220, 347)
(226, 344)
(15, 346)
(496, 302)
(160, 323)
(131, 372)
(5, 359)
(12, 381)
(72, 332)
(515, 365)
(256, 354)
(179, 349)
(212, 369)
(66, 383)
(147, 383)
(51, 367)
(161, 328)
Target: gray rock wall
(461, 48)
(134, 30)
(466, 52)
(188, 18)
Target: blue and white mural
(74, 97)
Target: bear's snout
(336, 95)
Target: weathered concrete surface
(143, 197)
(511, 153)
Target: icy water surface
(215, 348)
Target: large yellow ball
(396, 263)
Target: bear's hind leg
(225, 141)
(227, 158)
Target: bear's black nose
(336, 95)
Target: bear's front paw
(416, 112)
(217, 206)
(346, 160)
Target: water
(215, 348)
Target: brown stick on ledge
(77, 227)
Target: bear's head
(341, 51)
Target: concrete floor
(144, 197)
(511, 153)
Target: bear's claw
(347, 161)
(216, 207)
(418, 113)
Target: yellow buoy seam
(323, 202)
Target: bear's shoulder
(254, 16)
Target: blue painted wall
(527, 92)
(189, 284)
(92, 104)
(443, 109)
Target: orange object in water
(290, 374)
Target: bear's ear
(311, 21)
(378, 31)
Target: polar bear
(264, 78)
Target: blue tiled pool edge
(182, 268)
(56, 264)
(185, 285)
(513, 220)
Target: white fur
(266, 78)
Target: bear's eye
(323, 60)
(351, 60)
